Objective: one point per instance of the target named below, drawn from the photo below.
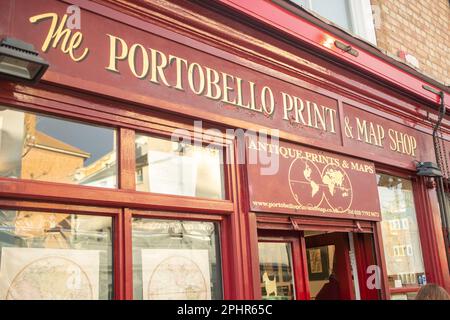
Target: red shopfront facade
(292, 175)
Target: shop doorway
(330, 267)
(315, 265)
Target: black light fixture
(428, 169)
(19, 61)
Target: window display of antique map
(315, 259)
(49, 274)
(175, 274)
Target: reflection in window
(337, 11)
(275, 267)
(39, 147)
(356, 16)
(175, 259)
(400, 232)
(171, 167)
(47, 256)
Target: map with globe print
(51, 278)
(175, 274)
(177, 277)
(312, 187)
(49, 274)
(333, 178)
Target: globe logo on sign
(312, 187)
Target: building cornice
(310, 32)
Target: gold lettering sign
(311, 182)
(293, 153)
(59, 33)
(202, 80)
(169, 70)
(375, 134)
(152, 65)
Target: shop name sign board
(312, 182)
(154, 67)
(371, 133)
(172, 71)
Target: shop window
(38, 147)
(352, 15)
(275, 265)
(175, 259)
(172, 167)
(47, 256)
(400, 233)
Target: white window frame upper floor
(361, 15)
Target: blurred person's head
(432, 292)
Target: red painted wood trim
(431, 236)
(176, 215)
(56, 207)
(118, 258)
(381, 260)
(283, 222)
(93, 196)
(238, 225)
(397, 172)
(301, 281)
(254, 255)
(226, 257)
(306, 32)
(127, 255)
(365, 256)
(127, 159)
(306, 294)
(230, 279)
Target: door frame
(339, 240)
(301, 286)
(277, 227)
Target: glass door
(281, 268)
(275, 265)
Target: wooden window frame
(116, 228)
(298, 260)
(227, 280)
(124, 202)
(279, 227)
(423, 212)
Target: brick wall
(420, 28)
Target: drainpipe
(440, 190)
